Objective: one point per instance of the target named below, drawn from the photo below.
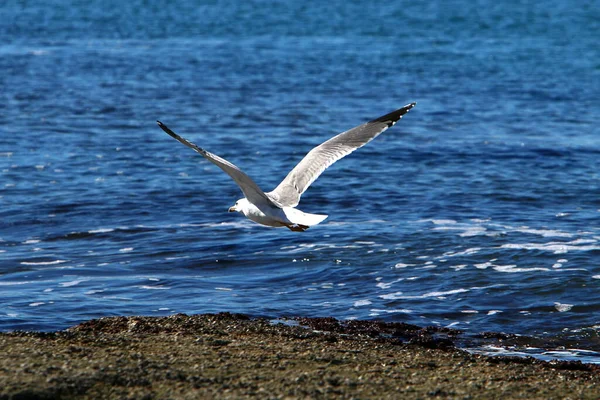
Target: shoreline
(234, 356)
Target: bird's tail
(301, 218)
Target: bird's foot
(297, 228)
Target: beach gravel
(230, 356)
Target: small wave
(233, 224)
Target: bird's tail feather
(301, 218)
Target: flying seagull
(278, 207)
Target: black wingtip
(167, 130)
(393, 117)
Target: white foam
(392, 296)
(126, 250)
(360, 303)
(101, 230)
(586, 356)
(514, 268)
(442, 221)
(96, 291)
(158, 287)
(555, 247)
(542, 232)
(384, 285)
(484, 265)
(176, 258)
(563, 307)
(391, 311)
(72, 283)
(399, 295)
(474, 231)
(27, 282)
(467, 252)
(54, 262)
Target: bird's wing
(318, 159)
(250, 189)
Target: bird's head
(239, 206)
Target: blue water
(479, 210)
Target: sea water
(479, 210)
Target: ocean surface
(479, 210)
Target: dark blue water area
(479, 210)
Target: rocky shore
(233, 356)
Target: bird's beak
(232, 209)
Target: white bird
(278, 207)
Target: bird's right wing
(250, 189)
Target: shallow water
(479, 210)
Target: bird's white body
(278, 207)
(276, 217)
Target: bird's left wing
(250, 189)
(318, 159)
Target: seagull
(278, 207)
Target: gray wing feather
(250, 189)
(318, 159)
